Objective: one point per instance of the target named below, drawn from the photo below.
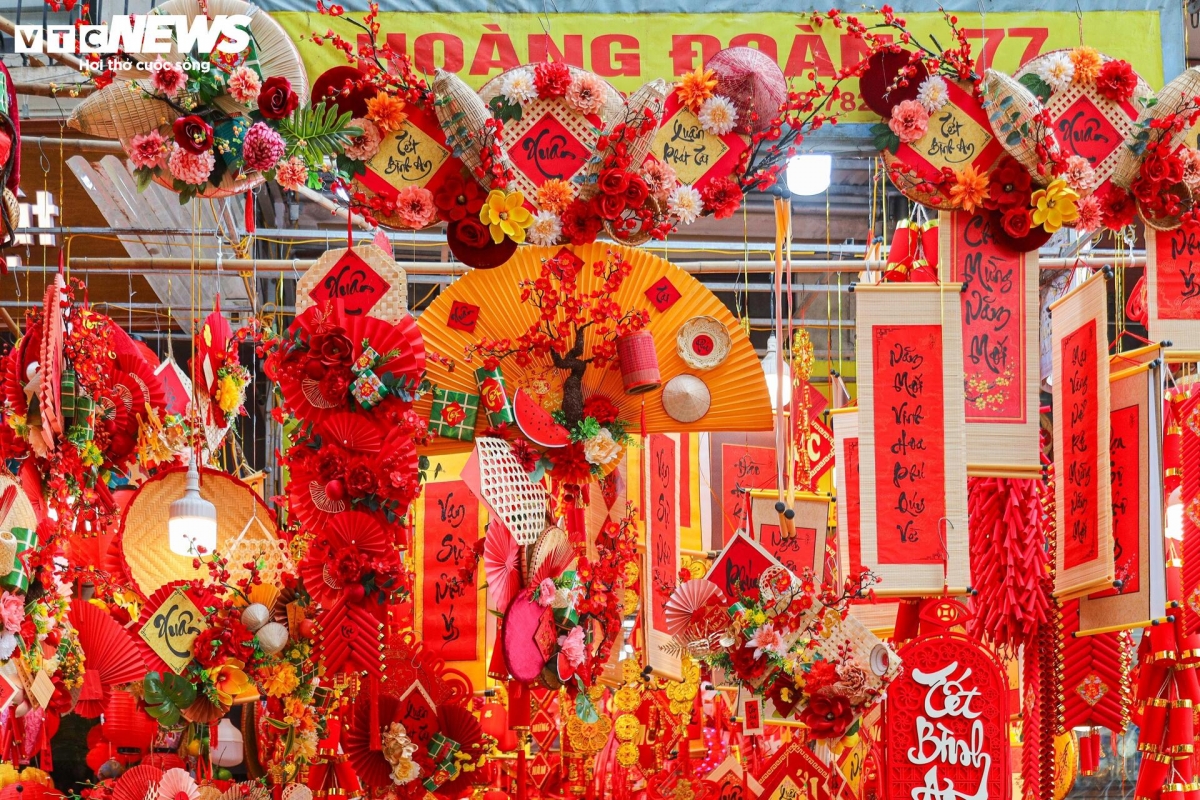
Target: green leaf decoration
(1038, 87)
(166, 696)
(584, 708)
(314, 132)
(504, 110)
(1013, 139)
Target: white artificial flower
(518, 87)
(602, 448)
(8, 643)
(718, 116)
(933, 93)
(545, 230)
(1057, 70)
(685, 204)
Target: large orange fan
(112, 657)
(738, 391)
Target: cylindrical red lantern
(929, 244)
(518, 705)
(126, 725)
(1172, 791)
(639, 362)
(904, 246)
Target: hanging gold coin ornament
(626, 700)
(802, 364)
(802, 355)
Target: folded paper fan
(369, 763)
(352, 529)
(135, 386)
(687, 601)
(50, 356)
(501, 555)
(111, 655)
(458, 724)
(137, 783)
(356, 434)
(495, 476)
(739, 394)
(551, 557)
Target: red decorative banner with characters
(1082, 470)
(1080, 434)
(910, 479)
(449, 620)
(849, 525)
(946, 722)
(1173, 287)
(664, 525)
(741, 462)
(912, 488)
(1125, 457)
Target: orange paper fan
(739, 393)
(689, 598)
(111, 654)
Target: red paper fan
(372, 768)
(112, 656)
(354, 432)
(151, 660)
(135, 386)
(212, 344)
(138, 783)
(51, 357)
(500, 565)
(688, 600)
(349, 529)
(459, 725)
(14, 381)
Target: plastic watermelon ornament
(537, 424)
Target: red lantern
(639, 362)
(126, 725)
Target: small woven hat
(686, 398)
(703, 342)
(1172, 99)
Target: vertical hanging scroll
(449, 625)
(739, 462)
(661, 568)
(910, 425)
(1079, 339)
(849, 528)
(1138, 499)
(1173, 287)
(802, 548)
(999, 335)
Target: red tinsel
(1008, 561)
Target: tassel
(376, 743)
(250, 215)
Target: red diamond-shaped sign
(1084, 131)
(663, 294)
(352, 281)
(819, 446)
(548, 150)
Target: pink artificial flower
(415, 207)
(364, 146)
(766, 638)
(148, 150)
(262, 148)
(586, 93)
(12, 612)
(660, 178)
(244, 85)
(546, 590)
(1091, 217)
(292, 174)
(573, 647)
(1191, 167)
(1080, 176)
(191, 168)
(910, 121)
(168, 77)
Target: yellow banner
(631, 49)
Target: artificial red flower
(1161, 166)
(276, 99)
(722, 197)
(329, 464)
(206, 647)
(745, 665)
(828, 716)
(347, 565)
(524, 452)
(1117, 208)
(1009, 185)
(472, 233)
(458, 198)
(193, 134)
(551, 79)
(579, 224)
(333, 347)
(1016, 222)
(1117, 81)
(636, 192)
(609, 206)
(822, 675)
(601, 409)
(361, 481)
(335, 383)
(613, 181)
(570, 465)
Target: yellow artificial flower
(229, 681)
(1054, 206)
(229, 394)
(969, 189)
(696, 87)
(505, 215)
(278, 680)
(387, 112)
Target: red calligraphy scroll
(1080, 407)
(449, 623)
(853, 525)
(743, 467)
(1125, 457)
(993, 317)
(794, 552)
(1177, 275)
(910, 483)
(664, 491)
(685, 480)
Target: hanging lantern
(230, 747)
(639, 362)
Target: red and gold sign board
(999, 332)
(740, 463)
(1173, 288)
(414, 155)
(697, 156)
(946, 716)
(799, 545)
(661, 570)
(365, 279)
(913, 472)
(795, 773)
(1084, 555)
(1137, 498)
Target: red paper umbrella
(111, 653)
(501, 555)
(372, 768)
(349, 530)
(137, 783)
